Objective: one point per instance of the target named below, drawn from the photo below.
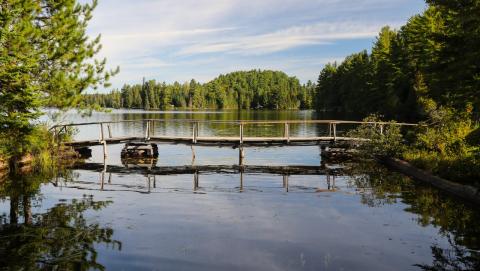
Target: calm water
(368, 219)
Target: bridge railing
(331, 125)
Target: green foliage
(445, 131)
(442, 145)
(238, 90)
(46, 60)
(435, 55)
(37, 140)
(383, 140)
(427, 70)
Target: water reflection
(39, 232)
(454, 219)
(59, 238)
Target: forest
(432, 59)
(253, 89)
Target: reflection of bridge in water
(105, 182)
(332, 136)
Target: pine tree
(46, 59)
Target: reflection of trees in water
(60, 239)
(220, 129)
(454, 219)
(378, 186)
(454, 259)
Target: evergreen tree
(46, 59)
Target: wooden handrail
(238, 122)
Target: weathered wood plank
(231, 141)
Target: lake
(366, 219)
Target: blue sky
(176, 40)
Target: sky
(176, 40)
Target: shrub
(386, 142)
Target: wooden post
(335, 132)
(152, 130)
(241, 132)
(149, 185)
(286, 132)
(241, 180)
(241, 156)
(193, 154)
(101, 132)
(102, 140)
(105, 153)
(102, 177)
(194, 132)
(109, 131)
(381, 129)
(285, 178)
(147, 132)
(149, 129)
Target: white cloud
(319, 33)
(174, 39)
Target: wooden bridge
(331, 137)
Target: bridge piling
(241, 132)
(147, 132)
(286, 132)
(241, 156)
(193, 154)
(103, 141)
(334, 132)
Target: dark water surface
(368, 219)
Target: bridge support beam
(334, 132)
(193, 154)
(103, 141)
(194, 132)
(286, 132)
(241, 156)
(241, 133)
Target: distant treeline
(435, 56)
(254, 89)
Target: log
(466, 192)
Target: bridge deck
(231, 141)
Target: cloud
(315, 34)
(180, 39)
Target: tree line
(434, 57)
(255, 89)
